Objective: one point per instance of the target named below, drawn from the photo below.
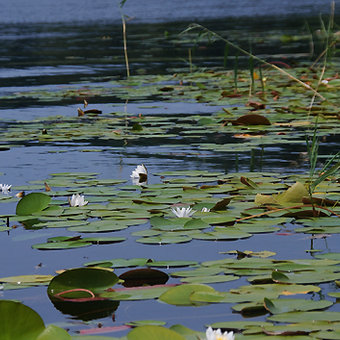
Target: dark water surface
(151, 11)
(47, 44)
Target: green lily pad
(81, 282)
(173, 263)
(24, 279)
(302, 317)
(180, 295)
(119, 263)
(135, 293)
(32, 203)
(153, 333)
(99, 227)
(61, 245)
(166, 239)
(146, 322)
(238, 325)
(277, 306)
(30, 327)
(103, 240)
(210, 279)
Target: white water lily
(204, 209)
(5, 188)
(217, 335)
(77, 200)
(140, 170)
(136, 181)
(183, 212)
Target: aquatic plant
(212, 34)
(140, 173)
(183, 212)
(77, 200)
(20, 322)
(121, 4)
(330, 168)
(217, 335)
(328, 37)
(5, 188)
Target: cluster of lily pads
(277, 113)
(236, 207)
(186, 206)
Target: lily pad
(153, 333)
(180, 295)
(32, 203)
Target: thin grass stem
(290, 76)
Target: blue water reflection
(50, 11)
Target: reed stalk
(273, 66)
(121, 4)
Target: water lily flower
(136, 181)
(204, 209)
(77, 200)
(5, 188)
(217, 335)
(183, 212)
(140, 173)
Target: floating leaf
(166, 239)
(294, 194)
(52, 332)
(302, 317)
(153, 333)
(210, 279)
(238, 325)
(31, 279)
(80, 283)
(29, 327)
(22, 323)
(251, 119)
(277, 306)
(221, 205)
(279, 277)
(145, 322)
(32, 203)
(61, 245)
(173, 263)
(119, 263)
(180, 295)
(135, 293)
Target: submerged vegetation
(251, 112)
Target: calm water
(47, 44)
(151, 11)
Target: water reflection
(50, 11)
(39, 54)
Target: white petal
(5, 188)
(210, 335)
(140, 169)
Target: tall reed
(213, 35)
(121, 4)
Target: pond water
(72, 47)
(48, 11)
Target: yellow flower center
(220, 337)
